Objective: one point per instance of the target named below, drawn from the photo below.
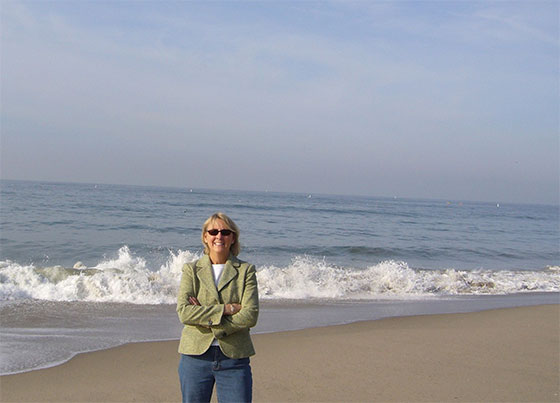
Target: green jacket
(238, 284)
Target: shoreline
(41, 338)
(508, 354)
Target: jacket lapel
(229, 273)
(206, 275)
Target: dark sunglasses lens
(225, 232)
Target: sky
(455, 100)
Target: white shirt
(218, 269)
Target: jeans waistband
(214, 353)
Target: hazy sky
(452, 100)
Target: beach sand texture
(500, 355)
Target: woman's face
(218, 244)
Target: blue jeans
(198, 373)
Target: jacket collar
(205, 272)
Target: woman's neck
(218, 259)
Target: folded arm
(249, 312)
(192, 314)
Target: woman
(218, 303)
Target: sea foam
(127, 278)
(309, 278)
(124, 279)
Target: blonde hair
(235, 247)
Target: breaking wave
(308, 278)
(128, 279)
(124, 279)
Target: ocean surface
(90, 266)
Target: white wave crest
(128, 279)
(308, 278)
(124, 279)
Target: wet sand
(498, 355)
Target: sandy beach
(499, 355)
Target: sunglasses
(224, 232)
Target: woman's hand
(231, 309)
(193, 301)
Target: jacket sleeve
(248, 315)
(205, 315)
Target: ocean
(90, 266)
